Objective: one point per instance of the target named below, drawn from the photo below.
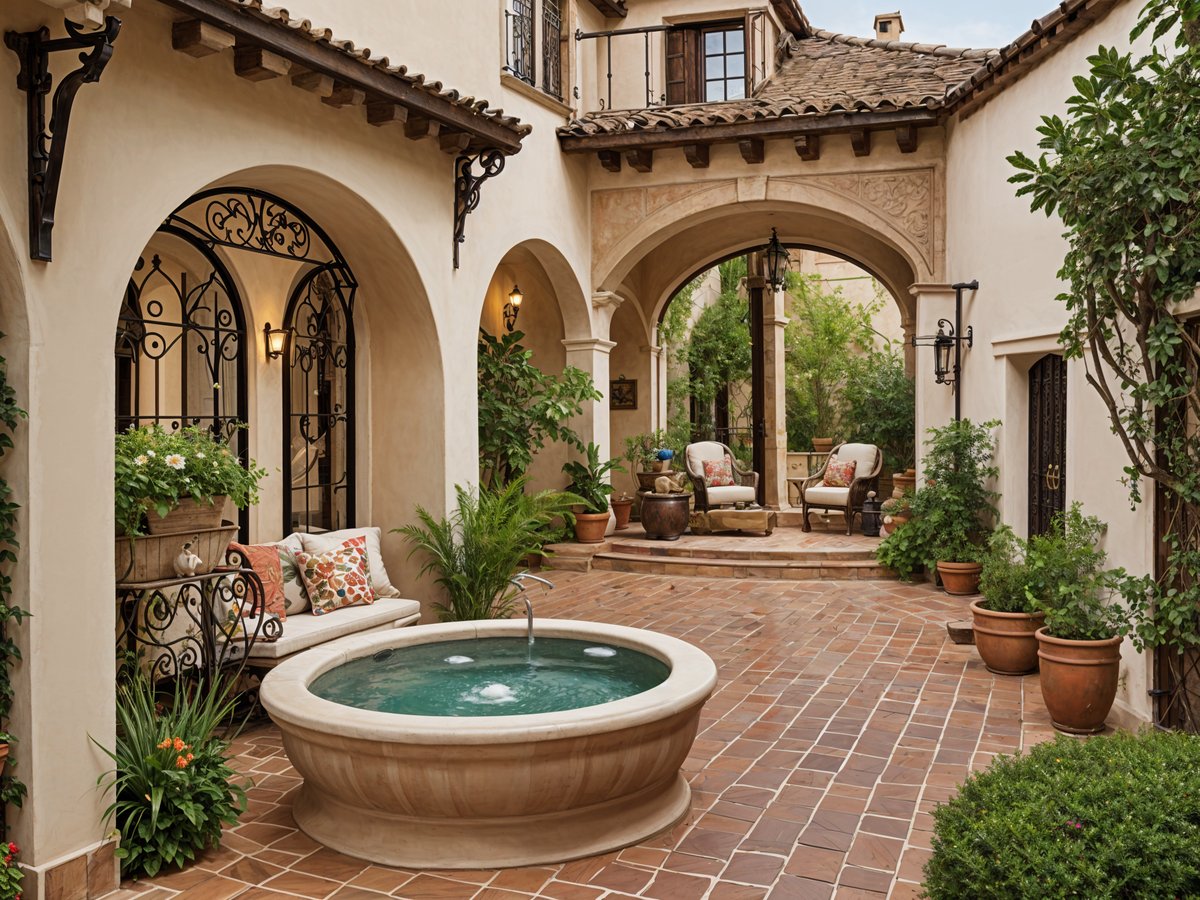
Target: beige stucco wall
(1015, 254)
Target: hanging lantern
(777, 259)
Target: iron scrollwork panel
(194, 626)
(319, 404)
(249, 220)
(1047, 442)
(467, 185)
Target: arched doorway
(183, 339)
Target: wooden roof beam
(314, 83)
(640, 159)
(906, 138)
(753, 150)
(860, 140)
(808, 147)
(344, 94)
(196, 38)
(610, 160)
(696, 155)
(259, 64)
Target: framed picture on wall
(622, 393)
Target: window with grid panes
(724, 48)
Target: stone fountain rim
(285, 693)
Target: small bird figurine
(187, 562)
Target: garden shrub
(1115, 816)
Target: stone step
(772, 569)
(750, 553)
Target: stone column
(654, 354)
(935, 402)
(775, 406)
(592, 356)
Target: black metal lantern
(943, 353)
(871, 516)
(276, 341)
(947, 346)
(777, 259)
(512, 308)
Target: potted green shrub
(173, 486)
(483, 543)
(589, 482)
(1004, 618)
(1079, 646)
(952, 512)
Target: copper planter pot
(1079, 681)
(590, 527)
(665, 516)
(960, 579)
(1007, 642)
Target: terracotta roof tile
(823, 74)
(280, 16)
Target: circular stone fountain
(493, 788)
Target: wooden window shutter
(683, 65)
(756, 50)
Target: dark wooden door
(1047, 442)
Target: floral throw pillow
(718, 472)
(295, 597)
(839, 474)
(337, 577)
(264, 560)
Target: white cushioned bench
(304, 630)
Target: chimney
(889, 26)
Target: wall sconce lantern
(777, 259)
(512, 308)
(947, 346)
(276, 341)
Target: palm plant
(482, 544)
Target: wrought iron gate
(1047, 441)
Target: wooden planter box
(152, 557)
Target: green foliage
(588, 479)
(1006, 576)
(881, 407)
(155, 469)
(172, 782)
(642, 449)
(12, 789)
(827, 337)
(672, 329)
(1122, 171)
(1115, 816)
(1069, 583)
(11, 873)
(522, 408)
(482, 545)
(952, 513)
(718, 352)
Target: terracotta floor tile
(789, 887)
(727, 890)
(325, 863)
(215, 888)
(676, 886)
(528, 880)
(350, 892)
(302, 884)
(559, 890)
(753, 868)
(381, 878)
(816, 863)
(433, 887)
(619, 877)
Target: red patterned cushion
(338, 577)
(264, 560)
(839, 474)
(719, 472)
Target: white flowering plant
(155, 469)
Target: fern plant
(483, 543)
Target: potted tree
(173, 486)
(1004, 618)
(1079, 646)
(589, 481)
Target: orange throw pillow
(839, 474)
(264, 560)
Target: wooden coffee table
(762, 520)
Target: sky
(956, 23)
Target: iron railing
(552, 48)
(606, 102)
(518, 38)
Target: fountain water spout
(519, 581)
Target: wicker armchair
(745, 491)
(848, 500)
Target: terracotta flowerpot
(665, 516)
(188, 515)
(622, 509)
(822, 445)
(903, 482)
(1079, 681)
(1007, 642)
(3, 757)
(590, 527)
(960, 579)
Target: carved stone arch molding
(904, 208)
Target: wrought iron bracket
(48, 140)
(467, 184)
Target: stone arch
(890, 223)
(546, 262)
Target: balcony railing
(646, 31)
(518, 37)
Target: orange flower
(165, 744)
(181, 763)
(179, 745)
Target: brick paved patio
(842, 716)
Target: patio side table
(737, 520)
